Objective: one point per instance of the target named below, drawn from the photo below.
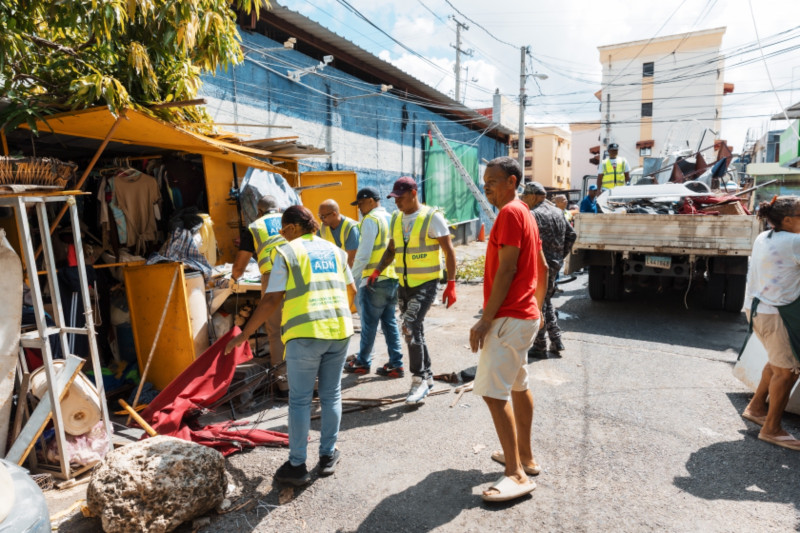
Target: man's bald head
(330, 205)
(329, 213)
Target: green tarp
(444, 186)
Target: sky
(563, 37)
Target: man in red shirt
(514, 286)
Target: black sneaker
(557, 346)
(354, 367)
(327, 463)
(390, 371)
(537, 353)
(293, 475)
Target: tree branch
(50, 44)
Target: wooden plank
(21, 401)
(146, 287)
(43, 412)
(725, 235)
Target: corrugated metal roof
(305, 29)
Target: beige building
(513, 152)
(663, 94)
(552, 156)
(548, 154)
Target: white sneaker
(429, 381)
(419, 389)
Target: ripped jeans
(414, 303)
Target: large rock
(156, 484)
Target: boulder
(156, 484)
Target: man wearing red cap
(418, 235)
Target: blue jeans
(378, 304)
(307, 359)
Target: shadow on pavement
(748, 469)
(694, 327)
(743, 470)
(433, 502)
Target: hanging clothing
(137, 196)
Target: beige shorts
(501, 366)
(772, 333)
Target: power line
(490, 34)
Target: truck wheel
(715, 291)
(735, 285)
(614, 288)
(597, 282)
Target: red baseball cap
(402, 186)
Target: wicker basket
(36, 171)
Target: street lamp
(521, 136)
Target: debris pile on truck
(669, 236)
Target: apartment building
(662, 94)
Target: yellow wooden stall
(147, 294)
(343, 194)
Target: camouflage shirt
(555, 232)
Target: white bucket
(80, 407)
(198, 311)
(749, 367)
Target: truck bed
(667, 234)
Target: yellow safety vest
(418, 260)
(381, 242)
(347, 226)
(612, 177)
(315, 305)
(266, 232)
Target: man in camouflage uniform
(557, 238)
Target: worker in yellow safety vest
(418, 234)
(378, 302)
(614, 170)
(312, 281)
(339, 229)
(261, 239)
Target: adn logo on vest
(322, 262)
(273, 225)
(415, 257)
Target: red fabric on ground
(205, 381)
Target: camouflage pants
(549, 314)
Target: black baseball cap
(367, 192)
(613, 146)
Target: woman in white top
(772, 299)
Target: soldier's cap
(534, 187)
(402, 186)
(613, 146)
(367, 192)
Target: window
(647, 69)
(515, 144)
(567, 164)
(647, 109)
(558, 160)
(528, 162)
(644, 152)
(528, 143)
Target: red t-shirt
(514, 226)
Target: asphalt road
(637, 427)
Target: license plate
(658, 261)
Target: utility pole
(459, 51)
(521, 140)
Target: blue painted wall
(379, 137)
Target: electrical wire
(766, 68)
(490, 34)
